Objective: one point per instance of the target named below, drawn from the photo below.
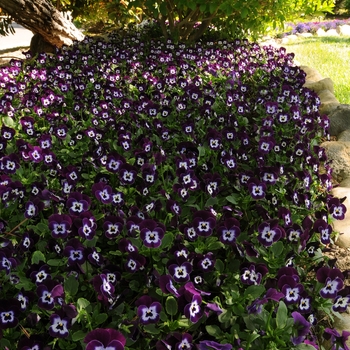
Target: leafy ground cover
(155, 195)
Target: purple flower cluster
(312, 27)
(152, 192)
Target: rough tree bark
(41, 17)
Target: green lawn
(330, 56)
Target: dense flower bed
(160, 196)
(312, 27)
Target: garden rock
(328, 101)
(344, 30)
(312, 75)
(321, 32)
(318, 86)
(339, 154)
(344, 136)
(343, 226)
(342, 323)
(305, 35)
(332, 32)
(339, 119)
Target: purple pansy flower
(203, 222)
(107, 338)
(103, 192)
(193, 310)
(180, 273)
(127, 174)
(78, 203)
(332, 279)
(257, 189)
(324, 229)
(167, 286)
(151, 233)
(48, 294)
(338, 341)
(301, 328)
(228, 231)
(336, 209)
(9, 312)
(59, 326)
(113, 226)
(60, 225)
(269, 233)
(213, 345)
(75, 252)
(148, 310)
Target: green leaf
(151, 328)
(219, 265)
(82, 303)
(37, 257)
(55, 262)
(215, 245)
(213, 330)
(78, 335)
(282, 315)
(211, 201)
(167, 240)
(171, 306)
(71, 285)
(277, 248)
(232, 199)
(244, 12)
(225, 316)
(100, 318)
(134, 285)
(254, 291)
(8, 121)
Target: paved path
(21, 38)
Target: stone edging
(338, 152)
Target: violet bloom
(101, 338)
(338, 341)
(269, 233)
(324, 229)
(180, 273)
(203, 222)
(148, 310)
(341, 303)
(102, 286)
(212, 183)
(135, 262)
(336, 209)
(229, 231)
(193, 310)
(113, 226)
(212, 345)
(250, 276)
(77, 203)
(291, 289)
(59, 326)
(301, 328)
(332, 279)
(266, 144)
(102, 192)
(167, 286)
(32, 208)
(9, 312)
(75, 252)
(257, 305)
(151, 233)
(127, 174)
(7, 262)
(60, 225)
(87, 225)
(257, 189)
(48, 294)
(176, 341)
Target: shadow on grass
(322, 39)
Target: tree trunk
(41, 17)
